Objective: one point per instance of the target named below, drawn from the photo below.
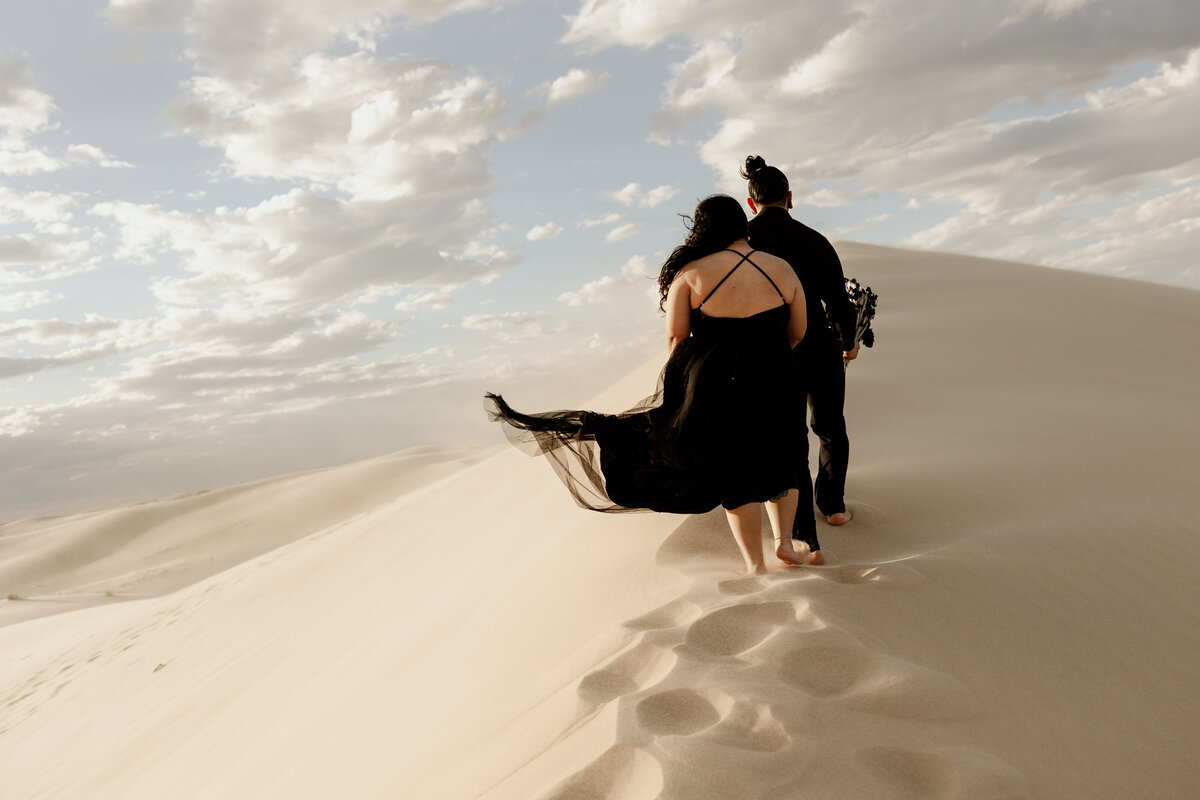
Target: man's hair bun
(753, 165)
(767, 185)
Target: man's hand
(850, 355)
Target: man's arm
(845, 318)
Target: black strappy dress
(722, 429)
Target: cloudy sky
(245, 237)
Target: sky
(240, 238)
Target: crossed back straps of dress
(745, 258)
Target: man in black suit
(823, 353)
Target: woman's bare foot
(811, 558)
(840, 518)
(788, 555)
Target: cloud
(374, 129)
(432, 300)
(644, 23)
(488, 322)
(11, 302)
(13, 367)
(634, 272)
(90, 154)
(599, 222)
(55, 331)
(20, 250)
(44, 209)
(24, 112)
(546, 230)
(23, 109)
(512, 327)
(621, 232)
(300, 251)
(826, 198)
(575, 83)
(632, 194)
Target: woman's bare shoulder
(707, 261)
(774, 266)
(765, 260)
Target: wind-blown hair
(717, 222)
(767, 184)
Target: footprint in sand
(750, 726)
(743, 586)
(635, 669)
(735, 629)
(951, 774)
(670, 615)
(621, 772)
(857, 679)
(682, 712)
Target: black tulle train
(722, 429)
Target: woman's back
(758, 284)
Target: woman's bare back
(745, 292)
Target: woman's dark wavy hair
(717, 222)
(767, 184)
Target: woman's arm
(679, 313)
(798, 318)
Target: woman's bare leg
(781, 513)
(746, 523)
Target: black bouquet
(863, 300)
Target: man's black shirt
(820, 271)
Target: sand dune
(150, 549)
(1013, 613)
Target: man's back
(816, 263)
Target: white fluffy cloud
(300, 250)
(547, 230)
(23, 109)
(601, 221)
(435, 299)
(21, 301)
(513, 326)
(575, 83)
(634, 272)
(375, 129)
(621, 232)
(633, 194)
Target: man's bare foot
(840, 518)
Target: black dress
(721, 430)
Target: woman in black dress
(722, 428)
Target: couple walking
(749, 350)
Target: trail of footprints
(44, 685)
(726, 694)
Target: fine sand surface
(1013, 613)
